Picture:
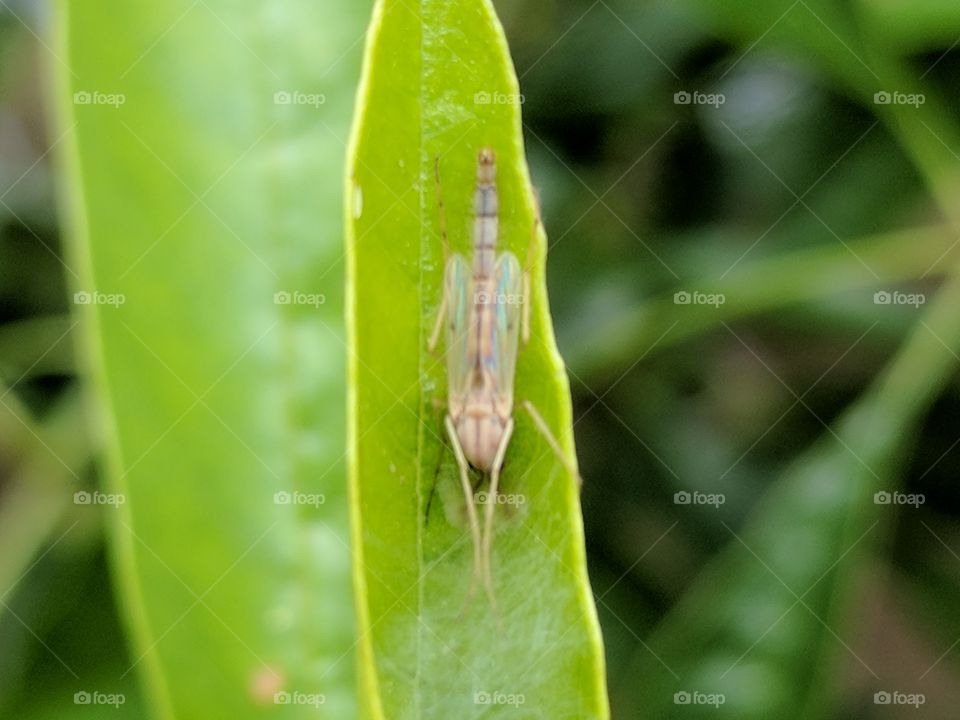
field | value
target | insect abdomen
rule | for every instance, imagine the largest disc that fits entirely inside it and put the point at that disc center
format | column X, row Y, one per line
column 486, row 209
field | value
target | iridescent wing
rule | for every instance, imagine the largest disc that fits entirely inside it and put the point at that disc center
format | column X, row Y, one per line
column 507, row 307
column 457, row 281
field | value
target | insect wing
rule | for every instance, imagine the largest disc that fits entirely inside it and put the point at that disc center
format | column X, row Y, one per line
column 508, row 306
column 457, row 280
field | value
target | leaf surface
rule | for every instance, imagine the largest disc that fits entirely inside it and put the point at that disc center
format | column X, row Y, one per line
column 438, row 86
column 204, row 151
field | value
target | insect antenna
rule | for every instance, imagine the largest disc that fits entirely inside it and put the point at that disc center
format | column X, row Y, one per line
column 441, row 208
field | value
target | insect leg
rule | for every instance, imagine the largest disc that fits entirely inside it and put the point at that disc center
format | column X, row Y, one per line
column 442, row 213
column 490, row 507
column 534, row 231
column 525, row 322
column 548, row 436
column 433, row 487
column 438, row 324
column 471, row 509
column 441, row 208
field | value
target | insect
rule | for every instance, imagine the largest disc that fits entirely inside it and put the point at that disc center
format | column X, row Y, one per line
column 485, row 310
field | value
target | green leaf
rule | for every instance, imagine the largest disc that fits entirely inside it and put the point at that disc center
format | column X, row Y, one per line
column 612, row 345
column 850, row 50
column 197, row 193
column 914, row 27
column 767, row 621
column 430, row 71
column 36, row 495
column 37, row 346
column 35, row 504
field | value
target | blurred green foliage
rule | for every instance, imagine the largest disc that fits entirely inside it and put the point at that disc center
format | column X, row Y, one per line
column 643, row 197
column 214, row 220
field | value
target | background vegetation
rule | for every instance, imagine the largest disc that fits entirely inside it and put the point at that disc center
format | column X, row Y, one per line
column 798, row 398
